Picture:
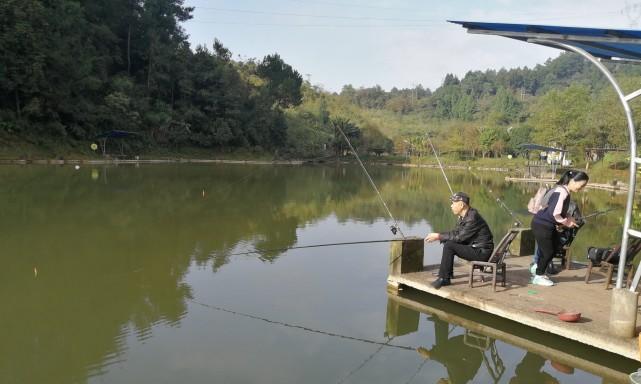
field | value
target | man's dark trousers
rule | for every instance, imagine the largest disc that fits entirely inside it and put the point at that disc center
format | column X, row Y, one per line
column 467, row 252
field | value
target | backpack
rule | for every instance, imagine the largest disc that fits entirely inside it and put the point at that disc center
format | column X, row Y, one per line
column 540, row 200
column 596, row 255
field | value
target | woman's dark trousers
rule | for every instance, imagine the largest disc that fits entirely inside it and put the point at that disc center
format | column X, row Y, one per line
column 547, row 239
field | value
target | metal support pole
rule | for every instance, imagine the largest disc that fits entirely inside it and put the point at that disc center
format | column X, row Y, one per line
column 633, row 155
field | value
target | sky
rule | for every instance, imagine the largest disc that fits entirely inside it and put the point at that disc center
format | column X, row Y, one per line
column 399, row 44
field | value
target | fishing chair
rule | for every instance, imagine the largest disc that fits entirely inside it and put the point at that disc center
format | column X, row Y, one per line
column 566, row 237
column 565, row 259
column 495, row 264
column 611, row 263
column 495, row 366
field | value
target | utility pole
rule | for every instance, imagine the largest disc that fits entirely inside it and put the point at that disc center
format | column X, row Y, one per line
column 413, row 94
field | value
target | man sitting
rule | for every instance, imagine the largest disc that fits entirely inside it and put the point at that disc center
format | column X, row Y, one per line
column 471, row 239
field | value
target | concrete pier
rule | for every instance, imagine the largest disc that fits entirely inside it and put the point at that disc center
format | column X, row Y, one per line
column 403, row 317
column 518, row 300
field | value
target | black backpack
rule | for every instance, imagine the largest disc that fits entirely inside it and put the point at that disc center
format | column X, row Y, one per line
column 596, row 255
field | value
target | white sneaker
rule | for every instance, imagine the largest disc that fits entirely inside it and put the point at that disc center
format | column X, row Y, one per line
column 542, row 280
column 533, row 269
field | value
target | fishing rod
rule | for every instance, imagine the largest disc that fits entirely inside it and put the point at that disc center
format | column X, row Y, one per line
column 560, row 228
column 259, row 251
column 517, row 222
column 439, row 163
column 597, row 213
column 394, row 227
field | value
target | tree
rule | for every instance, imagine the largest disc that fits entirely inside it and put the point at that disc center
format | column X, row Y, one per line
column 349, row 129
column 492, row 140
column 518, row 135
column 505, row 108
column 560, row 116
column 23, row 43
column 283, row 82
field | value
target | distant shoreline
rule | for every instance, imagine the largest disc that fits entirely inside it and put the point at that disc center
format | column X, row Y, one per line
column 619, row 187
column 230, row 161
column 145, row 161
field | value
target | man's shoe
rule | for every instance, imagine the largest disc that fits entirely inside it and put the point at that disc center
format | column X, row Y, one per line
column 440, row 282
column 436, row 272
column 533, row 269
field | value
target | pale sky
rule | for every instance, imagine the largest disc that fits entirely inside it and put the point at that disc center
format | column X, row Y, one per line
column 391, row 43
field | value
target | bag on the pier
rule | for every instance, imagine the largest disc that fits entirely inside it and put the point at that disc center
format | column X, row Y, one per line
column 539, row 201
column 596, row 255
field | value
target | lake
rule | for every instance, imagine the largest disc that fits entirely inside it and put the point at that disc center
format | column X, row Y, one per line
column 126, row 274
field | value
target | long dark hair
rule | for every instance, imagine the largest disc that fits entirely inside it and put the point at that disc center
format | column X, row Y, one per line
column 572, row 175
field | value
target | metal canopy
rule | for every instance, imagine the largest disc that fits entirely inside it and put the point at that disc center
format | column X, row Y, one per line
column 593, row 44
column 116, row 134
column 537, row 147
column 610, row 44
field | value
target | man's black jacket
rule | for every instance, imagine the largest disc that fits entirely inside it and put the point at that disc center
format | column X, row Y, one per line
column 471, row 230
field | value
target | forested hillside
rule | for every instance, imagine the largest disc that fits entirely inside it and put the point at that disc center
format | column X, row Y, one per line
column 565, row 102
column 71, row 70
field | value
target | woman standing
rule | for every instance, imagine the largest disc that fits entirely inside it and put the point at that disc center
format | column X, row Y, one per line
column 544, row 223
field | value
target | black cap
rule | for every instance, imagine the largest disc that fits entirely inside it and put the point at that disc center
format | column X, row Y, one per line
column 460, row 196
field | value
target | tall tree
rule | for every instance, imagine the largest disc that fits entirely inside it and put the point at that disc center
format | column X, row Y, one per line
column 283, row 82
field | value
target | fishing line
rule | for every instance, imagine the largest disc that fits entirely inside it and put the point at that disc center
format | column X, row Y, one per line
column 439, row 164
column 417, row 371
column 395, row 227
column 306, row 329
column 367, row 360
column 259, row 251
column 518, row 223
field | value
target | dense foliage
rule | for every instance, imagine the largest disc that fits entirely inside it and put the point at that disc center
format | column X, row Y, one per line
column 71, row 70
column 565, row 102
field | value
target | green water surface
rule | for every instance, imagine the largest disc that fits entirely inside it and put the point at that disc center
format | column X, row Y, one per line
column 129, row 275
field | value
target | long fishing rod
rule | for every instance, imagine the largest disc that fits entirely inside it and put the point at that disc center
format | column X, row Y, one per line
column 259, row 251
column 518, row 222
column 439, row 164
column 395, row 227
column 598, row 213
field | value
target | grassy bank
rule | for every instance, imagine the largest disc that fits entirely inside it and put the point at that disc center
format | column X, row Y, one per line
column 612, row 168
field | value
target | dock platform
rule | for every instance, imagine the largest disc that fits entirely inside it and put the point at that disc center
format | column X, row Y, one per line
column 518, row 300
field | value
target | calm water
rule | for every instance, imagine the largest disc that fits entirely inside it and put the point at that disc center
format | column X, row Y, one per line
column 128, row 275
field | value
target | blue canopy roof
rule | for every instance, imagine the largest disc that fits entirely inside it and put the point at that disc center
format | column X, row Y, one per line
column 537, row 147
column 117, row 134
column 611, row 44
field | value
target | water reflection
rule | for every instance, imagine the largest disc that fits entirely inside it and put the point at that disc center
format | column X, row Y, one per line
column 464, row 340
column 98, row 262
column 461, row 358
column 529, row 371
